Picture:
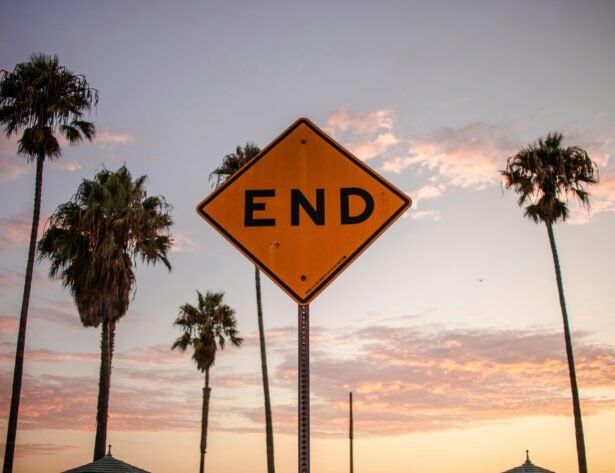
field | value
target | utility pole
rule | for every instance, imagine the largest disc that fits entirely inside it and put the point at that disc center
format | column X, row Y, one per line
column 351, row 436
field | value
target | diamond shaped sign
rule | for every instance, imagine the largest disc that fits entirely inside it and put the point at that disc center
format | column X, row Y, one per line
column 303, row 209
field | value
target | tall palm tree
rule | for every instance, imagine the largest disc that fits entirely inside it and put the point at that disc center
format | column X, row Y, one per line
column 206, row 328
column 41, row 100
column 230, row 164
column 93, row 242
column 544, row 175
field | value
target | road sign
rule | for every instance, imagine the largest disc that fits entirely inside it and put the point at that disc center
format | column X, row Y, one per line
column 303, row 209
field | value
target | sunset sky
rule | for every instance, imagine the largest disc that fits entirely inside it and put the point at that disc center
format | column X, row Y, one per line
column 447, row 329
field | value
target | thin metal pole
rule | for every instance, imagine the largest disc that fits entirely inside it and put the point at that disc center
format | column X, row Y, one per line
column 351, row 436
column 304, row 389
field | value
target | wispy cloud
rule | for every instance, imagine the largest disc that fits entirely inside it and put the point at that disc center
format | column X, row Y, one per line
column 108, row 140
column 66, row 166
column 602, row 197
column 37, row 449
column 15, row 230
column 12, row 168
column 11, row 165
column 467, row 157
column 367, row 135
column 405, row 379
column 8, row 324
column 184, row 243
column 409, row 379
column 427, row 192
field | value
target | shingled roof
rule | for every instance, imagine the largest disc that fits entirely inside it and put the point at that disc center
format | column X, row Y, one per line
column 528, row 467
column 107, row 464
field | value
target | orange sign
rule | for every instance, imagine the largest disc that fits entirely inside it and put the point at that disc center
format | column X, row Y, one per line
column 303, row 209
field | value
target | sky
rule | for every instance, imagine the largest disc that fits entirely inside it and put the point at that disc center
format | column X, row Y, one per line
column 447, row 329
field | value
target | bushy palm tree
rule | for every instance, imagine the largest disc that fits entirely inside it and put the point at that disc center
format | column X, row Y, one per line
column 41, row 100
column 231, row 164
column 206, row 328
column 544, row 175
column 93, row 242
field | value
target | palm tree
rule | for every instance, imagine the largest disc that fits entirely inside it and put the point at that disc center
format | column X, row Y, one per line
column 230, row 164
column 543, row 175
column 41, row 100
column 206, row 328
column 93, row 242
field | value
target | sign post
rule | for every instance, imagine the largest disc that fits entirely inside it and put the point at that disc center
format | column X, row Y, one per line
column 304, row 389
column 302, row 211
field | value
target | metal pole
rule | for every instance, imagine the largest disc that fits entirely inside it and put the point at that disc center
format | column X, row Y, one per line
column 304, row 389
column 351, row 436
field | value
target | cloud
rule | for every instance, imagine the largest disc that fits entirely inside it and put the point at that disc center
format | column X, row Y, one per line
column 66, row 166
column 366, row 135
column 599, row 148
column 467, row 157
column 15, row 230
column 36, row 449
column 107, row 140
column 428, row 191
column 184, row 243
column 404, row 379
column 8, row 324
column 409, row 380
column 12, row 168
column 11, row 165
column 602, row 199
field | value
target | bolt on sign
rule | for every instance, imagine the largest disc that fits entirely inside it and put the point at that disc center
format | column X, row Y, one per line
column 303, row 209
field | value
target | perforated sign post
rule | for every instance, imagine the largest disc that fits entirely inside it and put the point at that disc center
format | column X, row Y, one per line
column 302, row 211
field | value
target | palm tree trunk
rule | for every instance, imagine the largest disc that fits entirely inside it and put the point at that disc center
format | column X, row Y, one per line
column 576, row 405
column 204, row 420
column 261, row 336
column 104, row 387
column 11, row 433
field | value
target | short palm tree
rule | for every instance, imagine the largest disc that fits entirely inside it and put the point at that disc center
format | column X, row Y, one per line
column 206, row 328
column 230, row 164
column 544, row 175
column 41, row 100
column 93, row 242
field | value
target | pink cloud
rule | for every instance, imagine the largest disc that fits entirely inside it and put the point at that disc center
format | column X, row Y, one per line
column 15, row 231
column 106, row 139
column 427, row 192
column 366, row 135
column 66, row 166
column 599, row 148
column 405, row 379
column 602, row 199
column 468, row 157
column 12, row 166
column 184, row 243
column 409, row 380
column 8, row 324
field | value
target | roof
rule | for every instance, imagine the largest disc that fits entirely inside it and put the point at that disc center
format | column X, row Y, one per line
column 528, row 467
column 107, row 464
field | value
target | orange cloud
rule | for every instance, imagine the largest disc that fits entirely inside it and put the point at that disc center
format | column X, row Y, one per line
column 405, row 379
column 409, row 380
